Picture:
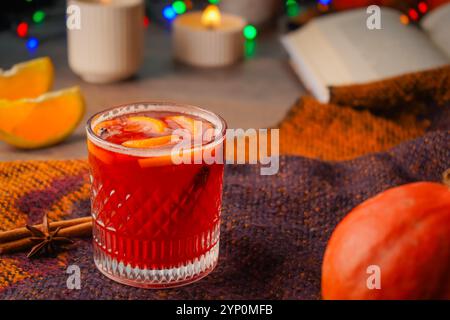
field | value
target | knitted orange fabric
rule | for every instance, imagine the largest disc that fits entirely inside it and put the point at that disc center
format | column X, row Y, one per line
column 30, row 188
column 366, row 118
column 406, row 91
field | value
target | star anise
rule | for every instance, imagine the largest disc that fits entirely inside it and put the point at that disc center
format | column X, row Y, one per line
column 46, row 242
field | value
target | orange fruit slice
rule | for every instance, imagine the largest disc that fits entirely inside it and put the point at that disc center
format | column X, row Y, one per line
column 43, row 121
column 139, row 123
column 104, row 125
column 150, row 142
column 26, row 80
column 196, row 127
column 184, row 122
column 155, row 161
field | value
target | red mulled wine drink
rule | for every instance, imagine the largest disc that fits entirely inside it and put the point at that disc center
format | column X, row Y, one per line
column 156, row 220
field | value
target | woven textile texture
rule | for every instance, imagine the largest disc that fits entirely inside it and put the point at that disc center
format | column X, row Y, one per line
column 273, row 234
column 369, row 117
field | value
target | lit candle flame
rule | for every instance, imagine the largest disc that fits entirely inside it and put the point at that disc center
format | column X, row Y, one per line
column 211, row 16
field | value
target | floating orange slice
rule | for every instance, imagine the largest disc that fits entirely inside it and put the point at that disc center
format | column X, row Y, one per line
column 104, row 125
column 26, row 80
column 150, row 142
column 43, row 121
column 195, row 127
column 184, row 122
column 146, row 123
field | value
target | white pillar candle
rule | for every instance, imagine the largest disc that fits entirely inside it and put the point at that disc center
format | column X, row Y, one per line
column 109, row 44
column 208, row 38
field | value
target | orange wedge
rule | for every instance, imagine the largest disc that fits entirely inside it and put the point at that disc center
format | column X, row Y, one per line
column 26, row 80
column 43, row 121
column 150, row 142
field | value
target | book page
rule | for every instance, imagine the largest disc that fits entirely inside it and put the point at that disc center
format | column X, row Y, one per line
column 437, row 26
column 311, row 65
column 339, row 49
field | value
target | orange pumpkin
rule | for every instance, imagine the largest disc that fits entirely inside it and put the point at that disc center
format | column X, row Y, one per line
column 401, row 236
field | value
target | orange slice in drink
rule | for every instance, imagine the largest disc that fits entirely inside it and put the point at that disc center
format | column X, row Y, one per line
column 150, row 142
column 105, row 125
column 43, row 121
column 196, row 127
column 155, row 161
column 26, row 80
column 184, row 122
column 143, row 123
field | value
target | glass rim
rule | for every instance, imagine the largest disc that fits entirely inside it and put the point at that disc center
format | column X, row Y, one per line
column 163, row 106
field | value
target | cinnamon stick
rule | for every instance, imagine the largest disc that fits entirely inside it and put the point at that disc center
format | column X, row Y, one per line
column 15, row 246
column 20, row 233
column 77, row 231
column 80, row 230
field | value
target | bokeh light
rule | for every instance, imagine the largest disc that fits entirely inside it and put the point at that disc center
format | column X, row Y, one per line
column 250, row 32
column 146, row 21
column 22, row 29
column 179, row 7
column 423, row 7
column 249, row 48
column 413, row 14
column 32, row 43
column 404, row 19
column 38, row 16
column 169, row 13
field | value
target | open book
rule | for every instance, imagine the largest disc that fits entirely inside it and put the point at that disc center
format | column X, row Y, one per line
column 339, row 49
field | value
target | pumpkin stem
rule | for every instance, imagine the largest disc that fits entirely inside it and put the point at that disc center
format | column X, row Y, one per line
column 446, row 177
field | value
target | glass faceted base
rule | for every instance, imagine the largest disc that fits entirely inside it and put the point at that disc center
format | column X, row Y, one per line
column 156, row 278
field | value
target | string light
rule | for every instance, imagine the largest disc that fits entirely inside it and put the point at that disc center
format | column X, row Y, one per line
column 214, row 1
column 146, row 21
column 188, row 4
column 322, row 7
column 249, row 48
column 32, row 43
column 292, row 8
column 22, row 29
column 250, row 32
column 38, row 16
column 169, row 13
column 179, row 7
column 413, row 14
column 404, row 19
column 423, row 7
